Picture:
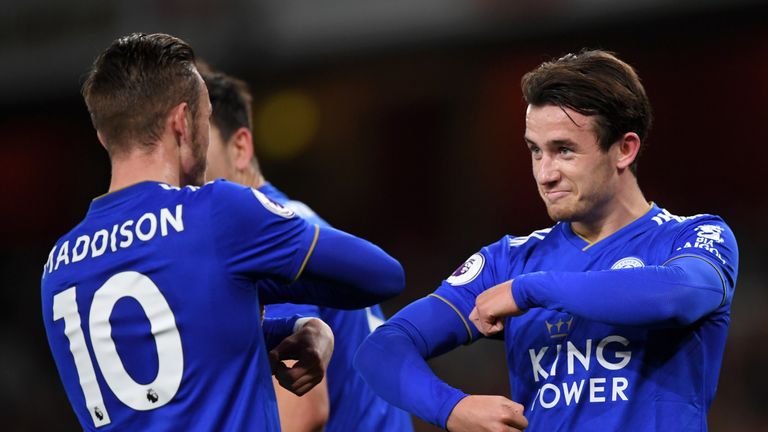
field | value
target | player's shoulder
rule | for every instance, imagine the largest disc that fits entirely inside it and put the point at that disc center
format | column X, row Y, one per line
column 153, row 194
column 229, row 194
column 273, row 192
column 220, row 189
column 512, row 245
column 531, row 240
column 704, row 222
column 299, row 208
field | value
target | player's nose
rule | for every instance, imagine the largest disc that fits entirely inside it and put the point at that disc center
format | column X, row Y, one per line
column 546, row 171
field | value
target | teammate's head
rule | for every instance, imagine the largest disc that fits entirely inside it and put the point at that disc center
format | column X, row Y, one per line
column 597, row 84
column 136, row 85
column 587, row 117
column 231, row 152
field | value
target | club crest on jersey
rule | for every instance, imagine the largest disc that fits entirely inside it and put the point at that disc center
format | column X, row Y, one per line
column 628, row 262
column 468, row 271
column 559, row 328
column 273, row 206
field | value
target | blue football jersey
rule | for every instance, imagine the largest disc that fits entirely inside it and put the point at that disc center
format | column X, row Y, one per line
column 354, row 406
column 151, row 309
column 576, row 374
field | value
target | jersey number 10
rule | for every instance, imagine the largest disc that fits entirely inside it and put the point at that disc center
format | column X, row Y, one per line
column 142, row 397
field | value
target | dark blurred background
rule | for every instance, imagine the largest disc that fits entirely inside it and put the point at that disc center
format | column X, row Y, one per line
column 402, row 122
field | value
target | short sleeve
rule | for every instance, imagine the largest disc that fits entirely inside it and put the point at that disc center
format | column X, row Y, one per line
column 710, row 239
column 257, row 237
column 483, row 270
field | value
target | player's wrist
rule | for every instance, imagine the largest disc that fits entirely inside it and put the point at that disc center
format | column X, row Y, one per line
column 519, row 293
column 449, row 407
column 300, row 323
column 320, row 336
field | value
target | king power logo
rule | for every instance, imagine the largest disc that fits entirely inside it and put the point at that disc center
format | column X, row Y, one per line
column 561, row 364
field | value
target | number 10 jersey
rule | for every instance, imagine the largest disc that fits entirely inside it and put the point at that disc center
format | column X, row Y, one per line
column 151, row 308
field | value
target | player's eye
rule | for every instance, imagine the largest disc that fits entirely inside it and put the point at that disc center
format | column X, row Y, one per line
column 565, row 151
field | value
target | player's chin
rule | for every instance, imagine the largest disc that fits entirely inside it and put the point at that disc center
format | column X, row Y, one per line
column 560, row 213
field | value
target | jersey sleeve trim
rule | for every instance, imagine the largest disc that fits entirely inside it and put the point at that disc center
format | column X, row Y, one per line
column 455, row 309
column 719, row 273
column 309, row 253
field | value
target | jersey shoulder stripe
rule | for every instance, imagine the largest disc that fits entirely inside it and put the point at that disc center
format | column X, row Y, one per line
column 663, row 216
column 538, row 235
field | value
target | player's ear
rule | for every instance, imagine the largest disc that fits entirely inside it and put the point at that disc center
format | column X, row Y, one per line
column 179, row 121
column 241, row 144
column 627, row 149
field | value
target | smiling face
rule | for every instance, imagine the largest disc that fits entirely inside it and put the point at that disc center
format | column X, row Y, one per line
column 576, row 179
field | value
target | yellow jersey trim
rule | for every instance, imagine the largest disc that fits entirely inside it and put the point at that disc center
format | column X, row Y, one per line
column 455, row 309
column 309, row 253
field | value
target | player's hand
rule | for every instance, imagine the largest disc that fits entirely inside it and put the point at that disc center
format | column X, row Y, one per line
column 486, row 413
column 311, row 347
column 492, row 306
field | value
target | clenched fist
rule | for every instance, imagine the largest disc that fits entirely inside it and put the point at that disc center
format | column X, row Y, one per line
column 492, row 306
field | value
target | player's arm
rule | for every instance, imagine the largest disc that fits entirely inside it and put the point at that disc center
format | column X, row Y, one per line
column 392, row 360
column 309, row 412
column 341, row 271
column 278, row 328
column 263, row 240
column 678, row 293
column 300, row 360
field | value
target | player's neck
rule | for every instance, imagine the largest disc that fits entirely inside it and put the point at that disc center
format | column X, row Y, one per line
column 258, row 180
column 621, row 211
column 250, row 177
column 139, row 166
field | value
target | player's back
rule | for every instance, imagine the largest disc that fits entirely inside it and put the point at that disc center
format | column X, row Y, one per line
column 152, row 315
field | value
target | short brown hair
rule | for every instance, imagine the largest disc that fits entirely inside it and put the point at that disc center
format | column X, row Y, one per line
column 231, row 101
column 133, row 85
column 594, row 83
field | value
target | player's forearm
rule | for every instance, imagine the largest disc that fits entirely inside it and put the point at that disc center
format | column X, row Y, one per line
column 277, row 329
column 395, row 368
column 674, row 295
column 343, row 272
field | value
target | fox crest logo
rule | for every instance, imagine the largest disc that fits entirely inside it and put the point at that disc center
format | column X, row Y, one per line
column 628, row 262
column 710, row 232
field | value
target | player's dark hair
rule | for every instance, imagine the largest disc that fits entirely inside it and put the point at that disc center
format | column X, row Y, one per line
column 231, row 101
column 133, row 85
column 594, row 83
